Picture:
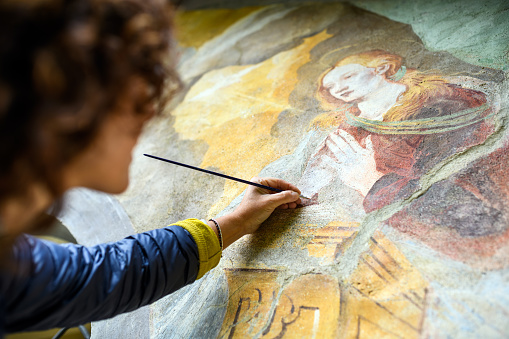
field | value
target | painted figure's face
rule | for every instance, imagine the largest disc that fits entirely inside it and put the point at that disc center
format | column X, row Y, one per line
column 352, row 82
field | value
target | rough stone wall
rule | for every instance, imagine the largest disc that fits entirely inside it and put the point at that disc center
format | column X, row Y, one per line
column 407, row 231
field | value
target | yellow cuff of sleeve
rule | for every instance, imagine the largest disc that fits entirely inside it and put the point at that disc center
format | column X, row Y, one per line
column 209, row 249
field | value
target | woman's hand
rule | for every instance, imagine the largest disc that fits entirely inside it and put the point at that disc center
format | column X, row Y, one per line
column 256, row 206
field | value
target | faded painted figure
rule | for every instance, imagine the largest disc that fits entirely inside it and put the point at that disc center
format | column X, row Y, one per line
column 394, row 125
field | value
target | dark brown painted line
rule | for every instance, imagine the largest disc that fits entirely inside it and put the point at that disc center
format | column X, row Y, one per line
column 387, row 253
column 382, row 265
column 385, row 309
column 407, row 297
column 373, row 323
column 374, row 270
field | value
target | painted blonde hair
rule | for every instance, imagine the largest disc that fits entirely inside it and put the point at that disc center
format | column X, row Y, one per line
column 420, row 85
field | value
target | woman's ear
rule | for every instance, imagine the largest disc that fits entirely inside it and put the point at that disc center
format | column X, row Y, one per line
column 382, row 69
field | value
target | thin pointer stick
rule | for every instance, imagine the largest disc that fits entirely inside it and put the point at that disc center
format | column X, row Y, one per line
column 218, row 174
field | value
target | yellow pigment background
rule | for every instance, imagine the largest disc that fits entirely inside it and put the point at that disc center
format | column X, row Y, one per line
column 234, row 108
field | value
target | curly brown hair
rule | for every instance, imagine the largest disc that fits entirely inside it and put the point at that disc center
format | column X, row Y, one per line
column 63, row 66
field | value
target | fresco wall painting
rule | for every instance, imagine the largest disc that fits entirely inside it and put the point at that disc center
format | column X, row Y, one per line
column 403, row 151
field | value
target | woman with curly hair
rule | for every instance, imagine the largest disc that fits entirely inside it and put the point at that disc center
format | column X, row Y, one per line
column 78, row 80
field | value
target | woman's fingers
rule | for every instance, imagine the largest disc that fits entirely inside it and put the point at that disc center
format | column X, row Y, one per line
column 291, row 205
column 289, row 198
column 283, row 198
column 276, row 183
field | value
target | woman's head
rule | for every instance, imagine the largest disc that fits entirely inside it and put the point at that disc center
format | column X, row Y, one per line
column 68, row 67
column 356, row 76
column 391, row 63
column 352, row 83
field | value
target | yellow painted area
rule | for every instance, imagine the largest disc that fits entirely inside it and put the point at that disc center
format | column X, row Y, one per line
column 194, row 28
column 233, row 109
column 387, row 295
column 327, row 120
column 331, row 240
column 308, row 307
column 251, row 294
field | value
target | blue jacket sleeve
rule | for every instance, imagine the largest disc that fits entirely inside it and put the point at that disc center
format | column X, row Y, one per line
column 48, row 285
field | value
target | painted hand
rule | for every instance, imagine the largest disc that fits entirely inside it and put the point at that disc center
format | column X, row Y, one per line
column 354, row 164
column 317, row 175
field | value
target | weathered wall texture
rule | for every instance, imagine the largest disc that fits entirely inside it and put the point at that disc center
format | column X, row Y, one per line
column 407, row 231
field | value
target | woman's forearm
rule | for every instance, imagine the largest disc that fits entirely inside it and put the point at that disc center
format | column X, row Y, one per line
column 231, row 229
